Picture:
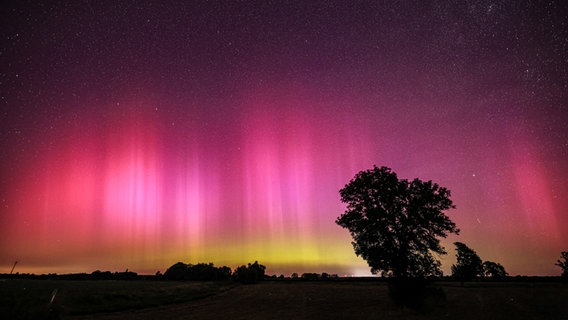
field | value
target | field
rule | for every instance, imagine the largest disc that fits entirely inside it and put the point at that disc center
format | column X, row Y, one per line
column 30, row 299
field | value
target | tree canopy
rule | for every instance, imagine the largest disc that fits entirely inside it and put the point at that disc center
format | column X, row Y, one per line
column 395, row 223
column 200, row 271
column 563, row 263
column 469, row 265
column 494, row 270
column 250, row 273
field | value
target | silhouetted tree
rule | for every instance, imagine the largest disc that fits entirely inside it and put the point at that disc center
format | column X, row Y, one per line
column 310, row 276
column 563, row 263
column 294, row 275
column 200, row 271
column 178, row 271
column 468, row 265
column 395, row 223
column 101, row 275
column 250, row 274
column 224, row 273
column 494, row 270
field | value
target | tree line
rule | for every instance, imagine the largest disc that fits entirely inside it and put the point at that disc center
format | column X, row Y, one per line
column 251, row 273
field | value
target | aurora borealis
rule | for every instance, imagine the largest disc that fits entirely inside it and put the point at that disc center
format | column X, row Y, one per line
column 138, row 134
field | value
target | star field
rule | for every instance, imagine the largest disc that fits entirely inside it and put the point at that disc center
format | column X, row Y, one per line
column 138, row 134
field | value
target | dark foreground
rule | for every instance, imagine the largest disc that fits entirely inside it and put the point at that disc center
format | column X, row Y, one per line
column 288, row 300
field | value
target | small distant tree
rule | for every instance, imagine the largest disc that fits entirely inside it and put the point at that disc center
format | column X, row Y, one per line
column 468, row 265
column 294, row 275
column 224, row 273
column 259, row 269
column 101, row 275
column 178, row 271
column 310, row 276
column 563, row 264
column 251, row 273
column 494, row 270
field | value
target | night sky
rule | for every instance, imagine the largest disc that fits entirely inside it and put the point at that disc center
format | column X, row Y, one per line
column 142, row 133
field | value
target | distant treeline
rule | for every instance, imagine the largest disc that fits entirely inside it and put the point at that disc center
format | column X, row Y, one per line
column 246, row 274
column 251, row 273
column 95, row 275
column 314, row 276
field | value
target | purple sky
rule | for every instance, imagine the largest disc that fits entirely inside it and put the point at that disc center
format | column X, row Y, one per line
column 145, row 133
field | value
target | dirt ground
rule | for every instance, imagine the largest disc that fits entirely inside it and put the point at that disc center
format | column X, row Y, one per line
column 347, row 300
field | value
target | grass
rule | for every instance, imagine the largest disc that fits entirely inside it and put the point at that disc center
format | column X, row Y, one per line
column 509, row 300
column 143, row 299
column 31, row 299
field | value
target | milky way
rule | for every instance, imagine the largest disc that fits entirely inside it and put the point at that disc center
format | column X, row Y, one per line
column 140, row 134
